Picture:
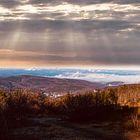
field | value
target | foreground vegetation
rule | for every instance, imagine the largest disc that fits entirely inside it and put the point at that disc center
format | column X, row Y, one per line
column 104, row 105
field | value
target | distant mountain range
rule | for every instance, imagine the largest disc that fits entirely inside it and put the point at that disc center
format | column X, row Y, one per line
column 92, row 75
column 50, row 85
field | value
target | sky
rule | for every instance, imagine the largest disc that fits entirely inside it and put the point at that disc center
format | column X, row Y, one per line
column 75, row 33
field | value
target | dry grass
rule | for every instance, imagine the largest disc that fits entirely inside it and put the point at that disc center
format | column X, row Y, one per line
column 104, row 105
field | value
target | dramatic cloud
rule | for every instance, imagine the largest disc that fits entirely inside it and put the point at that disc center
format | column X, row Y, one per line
column 69, row 32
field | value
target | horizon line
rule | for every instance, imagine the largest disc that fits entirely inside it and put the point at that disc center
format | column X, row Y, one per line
column 77, row 67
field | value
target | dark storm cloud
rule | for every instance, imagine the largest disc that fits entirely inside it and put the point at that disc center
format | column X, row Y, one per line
column 61, row 25
column 84, row 1
column 9, row 3
column 14, row 3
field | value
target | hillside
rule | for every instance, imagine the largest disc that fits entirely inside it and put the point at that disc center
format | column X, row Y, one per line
column 51, row 85
column 45, row 84
column 127, row 94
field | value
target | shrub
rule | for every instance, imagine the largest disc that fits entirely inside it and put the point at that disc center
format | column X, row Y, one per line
column 17, row 104
column 88, row 106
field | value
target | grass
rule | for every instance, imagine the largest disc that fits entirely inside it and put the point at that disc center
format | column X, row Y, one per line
column 104, row 105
